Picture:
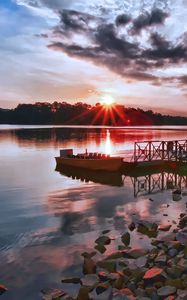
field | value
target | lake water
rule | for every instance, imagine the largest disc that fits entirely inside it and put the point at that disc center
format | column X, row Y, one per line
column 47, row 218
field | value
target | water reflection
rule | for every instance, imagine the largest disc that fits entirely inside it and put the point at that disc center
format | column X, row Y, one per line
column 145, row 181
column 87, row 209
column 151, row 184
column 97, row 206
column 103, row 177
column 108, row 143
column 95, row 139
column 47, row 218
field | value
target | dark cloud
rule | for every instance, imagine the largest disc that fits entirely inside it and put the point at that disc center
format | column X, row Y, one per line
column 142, row 76
column 158, row 41
column 117, row 55
column 164, row 50
column 73, row 20
column 156, row 17
column 33, row 3
column 122, row 20
column 106, row 37
column 77, row 51
column 107, row 48
column 117, row 64
column 52, row 4
column 182, row 80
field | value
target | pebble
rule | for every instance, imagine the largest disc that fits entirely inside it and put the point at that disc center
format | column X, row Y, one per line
column 172, row 252
column 166, row 291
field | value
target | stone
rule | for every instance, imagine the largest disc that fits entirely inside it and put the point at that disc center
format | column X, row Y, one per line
column 183, row 222
column 174, row 244
column 175, row 282
column 161, row 259
column 182, row 215
column 103, row 276
column 74, row 280
column 152, row 273
column 174, row 272
column 141, row 261
column 182, row 294
column 50, row 294
column 109, row 265
column 132, row 226
column 166, row 291
column 83, row 294
column 3, row 289
column 115, row 255
column 90, row 280
column 147, row 228
column 89, row 266
column 125, row 292
column 140, row 292
column 101, row 288
column 100, row 248
column 182, row 237
column 125, row 238
column 105, row 231
column 136, row 252
column 172, row 252
column 131, row 285
column 164, row 227
column 104, row 240
column 88, row 255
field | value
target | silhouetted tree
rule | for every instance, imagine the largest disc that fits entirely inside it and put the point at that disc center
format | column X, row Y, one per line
column 63, row 113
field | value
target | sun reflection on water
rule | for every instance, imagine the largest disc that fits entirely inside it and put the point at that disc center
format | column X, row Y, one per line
column 108, row 144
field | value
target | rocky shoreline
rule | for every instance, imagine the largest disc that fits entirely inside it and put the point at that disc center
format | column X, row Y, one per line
column 133, row 273
column 158, row 273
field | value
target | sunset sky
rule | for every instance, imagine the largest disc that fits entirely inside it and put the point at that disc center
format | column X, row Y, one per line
column 134, row 51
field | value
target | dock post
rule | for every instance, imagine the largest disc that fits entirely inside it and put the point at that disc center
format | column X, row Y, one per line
column 135, row 152
column 163, row 154
column 150, row 151
column 176, row 151
column 176, row 183
column 149, row 184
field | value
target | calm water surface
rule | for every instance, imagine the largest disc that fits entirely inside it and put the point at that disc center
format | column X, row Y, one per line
column 47, row 218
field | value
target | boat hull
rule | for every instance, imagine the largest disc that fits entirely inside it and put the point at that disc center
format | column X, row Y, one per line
column 107, row 164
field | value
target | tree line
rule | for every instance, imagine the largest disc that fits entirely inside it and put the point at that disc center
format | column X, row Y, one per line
column 63, row 113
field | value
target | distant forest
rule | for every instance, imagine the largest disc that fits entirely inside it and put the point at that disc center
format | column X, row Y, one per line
column 62, row 113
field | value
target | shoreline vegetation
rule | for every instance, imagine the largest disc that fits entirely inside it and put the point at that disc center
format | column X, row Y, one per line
column 63, row 113
column 155, row 272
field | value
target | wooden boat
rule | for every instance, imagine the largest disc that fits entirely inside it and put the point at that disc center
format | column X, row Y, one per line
column 91, row 161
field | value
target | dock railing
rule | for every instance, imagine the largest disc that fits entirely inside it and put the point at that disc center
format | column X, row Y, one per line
column 160, row 150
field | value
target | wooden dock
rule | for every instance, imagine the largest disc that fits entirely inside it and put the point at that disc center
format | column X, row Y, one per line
column 157, row 154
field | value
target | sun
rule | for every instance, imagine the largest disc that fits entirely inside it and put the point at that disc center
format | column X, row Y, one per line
column 107, row 100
